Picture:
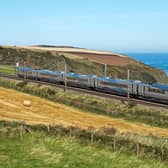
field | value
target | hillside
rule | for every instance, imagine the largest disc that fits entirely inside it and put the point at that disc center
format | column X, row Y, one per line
column 81, row 61
column 45, row 120
column 157, row 117
column 102, row 57
column 12, row 109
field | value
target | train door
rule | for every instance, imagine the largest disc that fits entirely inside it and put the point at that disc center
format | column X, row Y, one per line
column 36, row 75
column 93, row 82
column 90, row 82
column 144, row 90
column 137, row 90
column 63, row 77
column 140, row 90
column 132, row 89
column 94, row 85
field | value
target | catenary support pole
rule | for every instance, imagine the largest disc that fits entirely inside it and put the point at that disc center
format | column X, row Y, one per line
column 105, row 70
column 65, row 78
column 128, row 91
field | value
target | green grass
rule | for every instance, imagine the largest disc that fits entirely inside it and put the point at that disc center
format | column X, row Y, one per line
column 8, row 69
column 46, row 151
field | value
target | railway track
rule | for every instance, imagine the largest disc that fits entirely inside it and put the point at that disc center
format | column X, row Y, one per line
column 92, row 92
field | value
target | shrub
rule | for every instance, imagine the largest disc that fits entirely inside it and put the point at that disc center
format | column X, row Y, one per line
column 21, row 84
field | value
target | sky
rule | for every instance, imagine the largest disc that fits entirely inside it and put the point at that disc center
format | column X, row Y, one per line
column 114, row 25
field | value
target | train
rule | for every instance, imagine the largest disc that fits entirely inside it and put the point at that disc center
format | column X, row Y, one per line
column 155, row 92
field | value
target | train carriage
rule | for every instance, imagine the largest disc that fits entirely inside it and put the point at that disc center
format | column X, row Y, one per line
column 150, row 92
column 43, row 75
column 117, row 86
column 25, row 72
column 109, row 85
column 154, row 92
column 79, row 80
column 50, row 76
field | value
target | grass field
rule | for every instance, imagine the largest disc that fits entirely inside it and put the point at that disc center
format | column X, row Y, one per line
column 8, row 69
column 12, row 108
column 44, row 151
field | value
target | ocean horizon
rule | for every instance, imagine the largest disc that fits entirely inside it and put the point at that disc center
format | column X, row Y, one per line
column 157, row 60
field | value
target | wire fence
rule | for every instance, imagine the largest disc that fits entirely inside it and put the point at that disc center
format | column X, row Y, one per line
column 150, row 147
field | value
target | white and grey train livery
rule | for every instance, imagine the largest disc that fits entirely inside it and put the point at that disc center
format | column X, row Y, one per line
column 152, row 92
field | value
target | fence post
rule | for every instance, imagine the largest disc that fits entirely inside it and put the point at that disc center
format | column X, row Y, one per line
column 162, row 154
column 92, row 139
column 91, row 134
column 70, row 131
column 48, row 128
column 162, row 149
column 114, row 143
column 137, row 146
column 21, row 131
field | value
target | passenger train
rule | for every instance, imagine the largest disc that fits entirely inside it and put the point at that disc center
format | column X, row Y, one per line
column 152, row 92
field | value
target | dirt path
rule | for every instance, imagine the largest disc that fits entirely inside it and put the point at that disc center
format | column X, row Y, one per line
column 46, row 112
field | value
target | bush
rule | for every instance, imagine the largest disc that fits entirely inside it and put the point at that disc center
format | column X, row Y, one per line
column 21, row 84
column 51, row 92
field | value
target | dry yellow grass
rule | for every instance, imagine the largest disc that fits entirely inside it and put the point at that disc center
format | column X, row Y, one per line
column 46, row 112
column 66, row 49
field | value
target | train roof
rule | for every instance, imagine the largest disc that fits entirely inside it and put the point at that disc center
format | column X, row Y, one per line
column 123, row 81
column 160, row 86
column 25, row 69
column 71, row 74
column 49, row 72
column 157, row 86
column 45, row 71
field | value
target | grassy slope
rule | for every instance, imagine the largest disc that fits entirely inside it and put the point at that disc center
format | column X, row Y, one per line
column 44, row 151
column 8, row 69
column 13, row 109
column 46, row 59
column 154, row 117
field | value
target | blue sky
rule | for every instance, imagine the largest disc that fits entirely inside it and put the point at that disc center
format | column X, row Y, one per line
column 117, row 25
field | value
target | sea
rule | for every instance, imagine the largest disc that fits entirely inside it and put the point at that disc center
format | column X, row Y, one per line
column 157, row 60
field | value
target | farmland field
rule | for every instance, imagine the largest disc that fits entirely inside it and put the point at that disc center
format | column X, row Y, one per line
column 109, row 58
column 52, row 144
column 46, row 112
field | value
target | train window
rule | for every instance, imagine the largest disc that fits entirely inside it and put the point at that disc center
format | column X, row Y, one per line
column 24, row 72
column 114, row 84
column 74, row 79
column 48, row 75
column 156, row 90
